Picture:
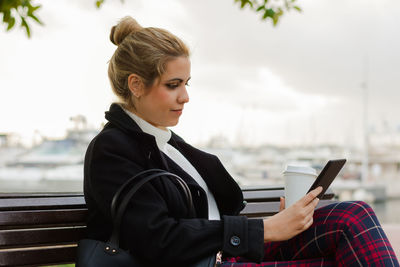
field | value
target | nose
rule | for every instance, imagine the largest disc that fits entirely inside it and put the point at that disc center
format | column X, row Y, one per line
column 183, row 96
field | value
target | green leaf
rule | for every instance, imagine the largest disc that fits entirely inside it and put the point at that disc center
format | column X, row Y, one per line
column 99, row 3
column 11, row 23
column 26, row 26
column 275, row 19
column 269, row 13
column 243, row 3
column 36, row 19
column 297, row 8
column 246, row 2
column 276, row 16
column 30, row 10
column 6, row 16
column 36, row 8
column 260, row 8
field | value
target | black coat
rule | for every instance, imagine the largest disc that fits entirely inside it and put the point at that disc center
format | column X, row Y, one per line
column 157, row 227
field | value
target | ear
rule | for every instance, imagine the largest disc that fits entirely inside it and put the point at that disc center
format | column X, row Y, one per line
column 135, row 85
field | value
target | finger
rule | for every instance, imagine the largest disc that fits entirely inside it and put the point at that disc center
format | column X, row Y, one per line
column 315, row 202
column 312, row 195
column 311, row 206
column 309, row 223
column 282, row 204
column 316, row 191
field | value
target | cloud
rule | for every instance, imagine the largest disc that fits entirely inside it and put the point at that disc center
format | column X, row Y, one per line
column 321, row 50
column 254, row 87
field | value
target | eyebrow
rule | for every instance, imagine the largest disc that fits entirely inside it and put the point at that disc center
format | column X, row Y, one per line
column 177, row 79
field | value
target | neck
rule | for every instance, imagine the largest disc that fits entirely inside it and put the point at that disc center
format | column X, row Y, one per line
column 134, row 111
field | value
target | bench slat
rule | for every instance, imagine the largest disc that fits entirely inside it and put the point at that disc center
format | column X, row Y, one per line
column 42, row 217
column 38, row 256
column 256, row 209
column 40, row 194
column 267, row 195
column 37, row 237
column 38, row 203
column 264, row 209
column 262, row 188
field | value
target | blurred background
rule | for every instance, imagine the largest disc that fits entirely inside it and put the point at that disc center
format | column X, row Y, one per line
column 321, row 84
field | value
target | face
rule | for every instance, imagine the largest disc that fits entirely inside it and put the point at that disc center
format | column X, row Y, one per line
column 162, row 104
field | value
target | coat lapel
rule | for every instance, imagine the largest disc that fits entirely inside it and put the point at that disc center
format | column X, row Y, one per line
column 225, row 190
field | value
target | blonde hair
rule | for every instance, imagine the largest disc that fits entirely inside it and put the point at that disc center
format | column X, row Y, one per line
column 142, row 51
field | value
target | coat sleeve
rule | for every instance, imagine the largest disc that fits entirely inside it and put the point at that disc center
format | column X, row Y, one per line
column 149, row 230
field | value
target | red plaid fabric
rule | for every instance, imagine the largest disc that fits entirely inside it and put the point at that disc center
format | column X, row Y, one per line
column 298, row 263
column 343, row 234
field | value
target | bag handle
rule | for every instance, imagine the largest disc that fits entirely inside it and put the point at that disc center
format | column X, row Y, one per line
column 117, row 195
column 118, row 212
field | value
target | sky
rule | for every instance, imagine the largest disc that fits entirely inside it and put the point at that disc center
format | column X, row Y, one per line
column 302, row 82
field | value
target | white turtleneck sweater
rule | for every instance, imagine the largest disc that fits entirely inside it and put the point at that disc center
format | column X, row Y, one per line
column 162, row 138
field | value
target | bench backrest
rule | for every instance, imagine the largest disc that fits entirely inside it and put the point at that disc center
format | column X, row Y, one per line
column 39, row 229
column 43, row 229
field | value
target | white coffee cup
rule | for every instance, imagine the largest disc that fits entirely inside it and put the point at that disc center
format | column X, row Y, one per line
column 298, row 180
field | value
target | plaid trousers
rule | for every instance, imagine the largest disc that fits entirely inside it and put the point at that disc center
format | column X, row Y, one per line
column 342, row 234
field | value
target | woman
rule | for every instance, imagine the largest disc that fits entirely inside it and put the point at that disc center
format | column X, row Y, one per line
column 149, row 72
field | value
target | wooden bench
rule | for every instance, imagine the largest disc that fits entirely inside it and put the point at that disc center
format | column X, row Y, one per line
column 43, row 229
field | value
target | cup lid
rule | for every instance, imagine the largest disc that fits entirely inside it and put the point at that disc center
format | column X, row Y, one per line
column 300, row 169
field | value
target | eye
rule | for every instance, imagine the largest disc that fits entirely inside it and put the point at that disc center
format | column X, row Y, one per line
column 187, row 83
column 172, row 85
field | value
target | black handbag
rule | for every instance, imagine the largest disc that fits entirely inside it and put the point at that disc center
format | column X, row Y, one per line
column 95, row 253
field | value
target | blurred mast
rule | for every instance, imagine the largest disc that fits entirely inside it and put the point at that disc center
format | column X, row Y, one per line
column 365, row 158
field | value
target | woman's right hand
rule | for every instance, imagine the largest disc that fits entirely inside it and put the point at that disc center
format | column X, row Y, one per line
column 292, row 220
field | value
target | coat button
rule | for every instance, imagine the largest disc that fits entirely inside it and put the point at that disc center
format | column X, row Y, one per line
column 235, row 241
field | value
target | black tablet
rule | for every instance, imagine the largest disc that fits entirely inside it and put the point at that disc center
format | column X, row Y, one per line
column 327, row 175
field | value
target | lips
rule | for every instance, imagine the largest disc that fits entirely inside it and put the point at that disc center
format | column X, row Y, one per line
column 177, row 111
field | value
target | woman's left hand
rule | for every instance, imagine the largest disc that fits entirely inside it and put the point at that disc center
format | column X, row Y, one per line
column 282, row 204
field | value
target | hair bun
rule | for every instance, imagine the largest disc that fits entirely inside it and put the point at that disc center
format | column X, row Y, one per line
column 126, row 26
